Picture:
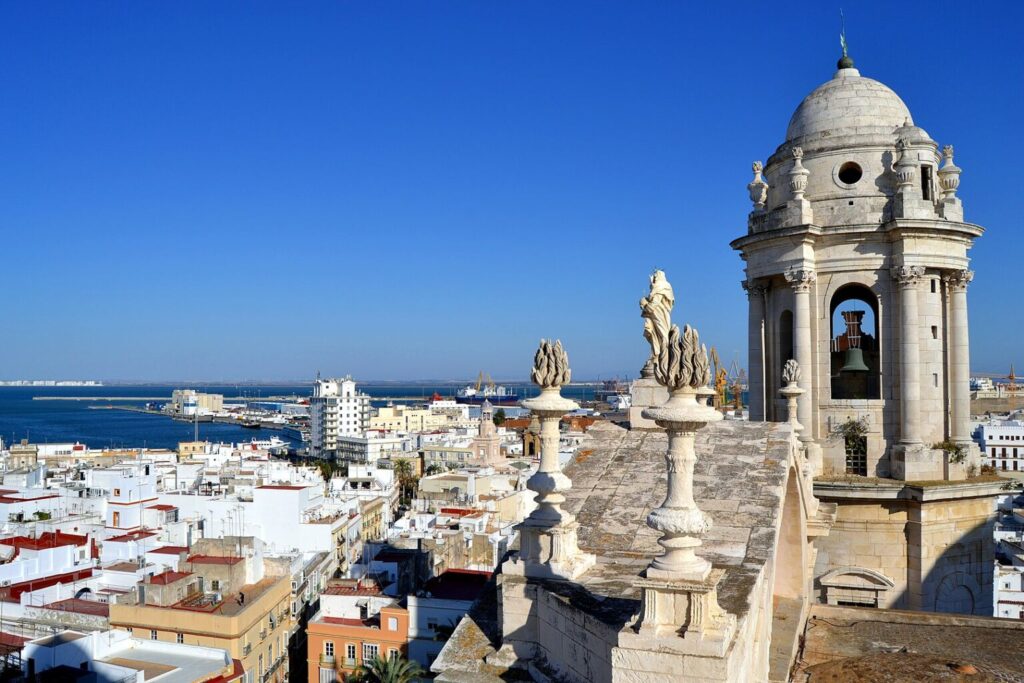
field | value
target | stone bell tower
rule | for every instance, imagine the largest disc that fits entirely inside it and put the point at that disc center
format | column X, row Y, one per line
column 856, row 217
column 857, row 268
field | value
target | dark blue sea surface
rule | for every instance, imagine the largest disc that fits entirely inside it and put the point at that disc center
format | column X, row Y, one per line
column 24, row 412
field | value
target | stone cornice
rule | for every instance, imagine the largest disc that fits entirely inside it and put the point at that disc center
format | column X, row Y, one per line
column 811, row 232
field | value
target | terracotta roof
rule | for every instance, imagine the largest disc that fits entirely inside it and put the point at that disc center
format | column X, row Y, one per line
column 9, row 500
column 457, row 584
column 170, row 549
column 213, row 559
column 162, row 506
column 122, row 567
column 14, row 591
column 47, row 539
column 359, row 589
column 131, row 536
column 284, row 487
column 78, row 606
column 168, row 576
column 343, row 621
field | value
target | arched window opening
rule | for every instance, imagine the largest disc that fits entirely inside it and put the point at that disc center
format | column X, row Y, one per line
column 785, row 338
column 855, row 357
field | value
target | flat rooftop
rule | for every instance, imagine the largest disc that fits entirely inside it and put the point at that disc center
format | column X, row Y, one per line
column 860, row 644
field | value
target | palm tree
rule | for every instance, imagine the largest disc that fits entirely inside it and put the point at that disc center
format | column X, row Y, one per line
column 406, row 477
column 387, row 670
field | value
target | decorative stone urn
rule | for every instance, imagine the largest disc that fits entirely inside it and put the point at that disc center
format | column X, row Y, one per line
column 548, row 537
column 758, row 188
column 791, row 392
column 682, row 368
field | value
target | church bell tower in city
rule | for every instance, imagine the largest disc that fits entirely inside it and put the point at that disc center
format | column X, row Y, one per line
column 857, row 268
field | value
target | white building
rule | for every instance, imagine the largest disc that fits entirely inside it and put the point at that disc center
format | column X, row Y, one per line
column 115, row 655
column 1002, row 444
column 336, row 409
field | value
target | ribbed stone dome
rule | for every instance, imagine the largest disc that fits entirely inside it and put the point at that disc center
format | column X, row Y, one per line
column 846, row 103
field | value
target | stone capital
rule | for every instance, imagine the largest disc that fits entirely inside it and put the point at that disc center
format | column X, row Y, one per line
column 801, row 279
column 957, row 280
column 753, row 289
column 907, row 276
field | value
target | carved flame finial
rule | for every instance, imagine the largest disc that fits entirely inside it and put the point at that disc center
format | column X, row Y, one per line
column 550, row 365
column 791, row 372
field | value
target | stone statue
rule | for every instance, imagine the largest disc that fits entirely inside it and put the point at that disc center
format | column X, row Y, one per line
column 656, row 310
column 791, row 372
column 683, row 361
column 550, row 365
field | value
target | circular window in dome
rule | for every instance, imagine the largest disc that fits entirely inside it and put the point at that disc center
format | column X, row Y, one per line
column 849, row 173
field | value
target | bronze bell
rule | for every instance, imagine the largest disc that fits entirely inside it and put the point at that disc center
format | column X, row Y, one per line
column 854, row 361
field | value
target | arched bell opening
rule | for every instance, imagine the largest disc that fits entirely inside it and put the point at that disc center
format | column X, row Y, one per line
column 855, row 356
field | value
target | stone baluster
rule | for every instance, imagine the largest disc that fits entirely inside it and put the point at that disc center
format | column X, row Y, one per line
column 960, row 362
column 908, row 278
column 548, row 537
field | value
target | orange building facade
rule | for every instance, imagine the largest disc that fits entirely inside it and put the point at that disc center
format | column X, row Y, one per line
column 336, row 645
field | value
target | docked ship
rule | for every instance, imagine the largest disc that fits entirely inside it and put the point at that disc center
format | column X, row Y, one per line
column 487, row 391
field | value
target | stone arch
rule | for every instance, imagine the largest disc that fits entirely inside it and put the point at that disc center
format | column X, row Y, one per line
column 854, row 330
column 790, row 576
column 958, row 593
column 856, row 586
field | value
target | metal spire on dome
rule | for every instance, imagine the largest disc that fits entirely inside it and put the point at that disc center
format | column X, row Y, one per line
column 844, row 62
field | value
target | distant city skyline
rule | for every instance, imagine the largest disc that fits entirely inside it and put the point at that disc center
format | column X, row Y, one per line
column 250, row 192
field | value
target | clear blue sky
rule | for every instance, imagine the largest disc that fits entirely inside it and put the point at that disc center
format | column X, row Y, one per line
column 239, row 190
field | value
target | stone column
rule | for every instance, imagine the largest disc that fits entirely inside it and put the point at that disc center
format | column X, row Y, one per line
column 802, row 280
column 908, row 279
column 755, row 346
column 960, row 361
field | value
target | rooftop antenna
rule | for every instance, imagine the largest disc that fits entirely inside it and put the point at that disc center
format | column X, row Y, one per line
column 844, row 62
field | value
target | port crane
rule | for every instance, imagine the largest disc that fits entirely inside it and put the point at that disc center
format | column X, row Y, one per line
column 738, row 380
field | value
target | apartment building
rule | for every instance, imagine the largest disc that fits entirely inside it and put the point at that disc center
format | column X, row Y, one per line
column 356, row 623
column 223, row 595
column 336, row 409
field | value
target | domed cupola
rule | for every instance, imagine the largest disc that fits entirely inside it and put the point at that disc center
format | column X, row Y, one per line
column 847, row 105
column 838, row 163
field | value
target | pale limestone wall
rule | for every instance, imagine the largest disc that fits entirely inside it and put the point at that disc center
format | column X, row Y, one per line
column 869, row 535
column 938, row 553
column 951, row 541
column 568, row 644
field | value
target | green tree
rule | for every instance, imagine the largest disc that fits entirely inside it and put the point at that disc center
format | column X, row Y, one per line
column 406, row 477
column 387, row 670
column 499, row 417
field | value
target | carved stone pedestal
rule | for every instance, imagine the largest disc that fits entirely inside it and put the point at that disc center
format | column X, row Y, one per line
column 687, row 609
column 549, row 552
column 644, row 393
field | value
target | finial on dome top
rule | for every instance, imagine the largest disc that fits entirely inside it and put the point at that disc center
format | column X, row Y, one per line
column 844, row 62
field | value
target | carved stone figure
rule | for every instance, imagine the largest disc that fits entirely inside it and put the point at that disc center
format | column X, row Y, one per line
column 656, row 310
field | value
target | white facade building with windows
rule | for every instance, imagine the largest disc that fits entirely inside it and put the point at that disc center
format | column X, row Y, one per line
column 1002, row 444
column 336, row 409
